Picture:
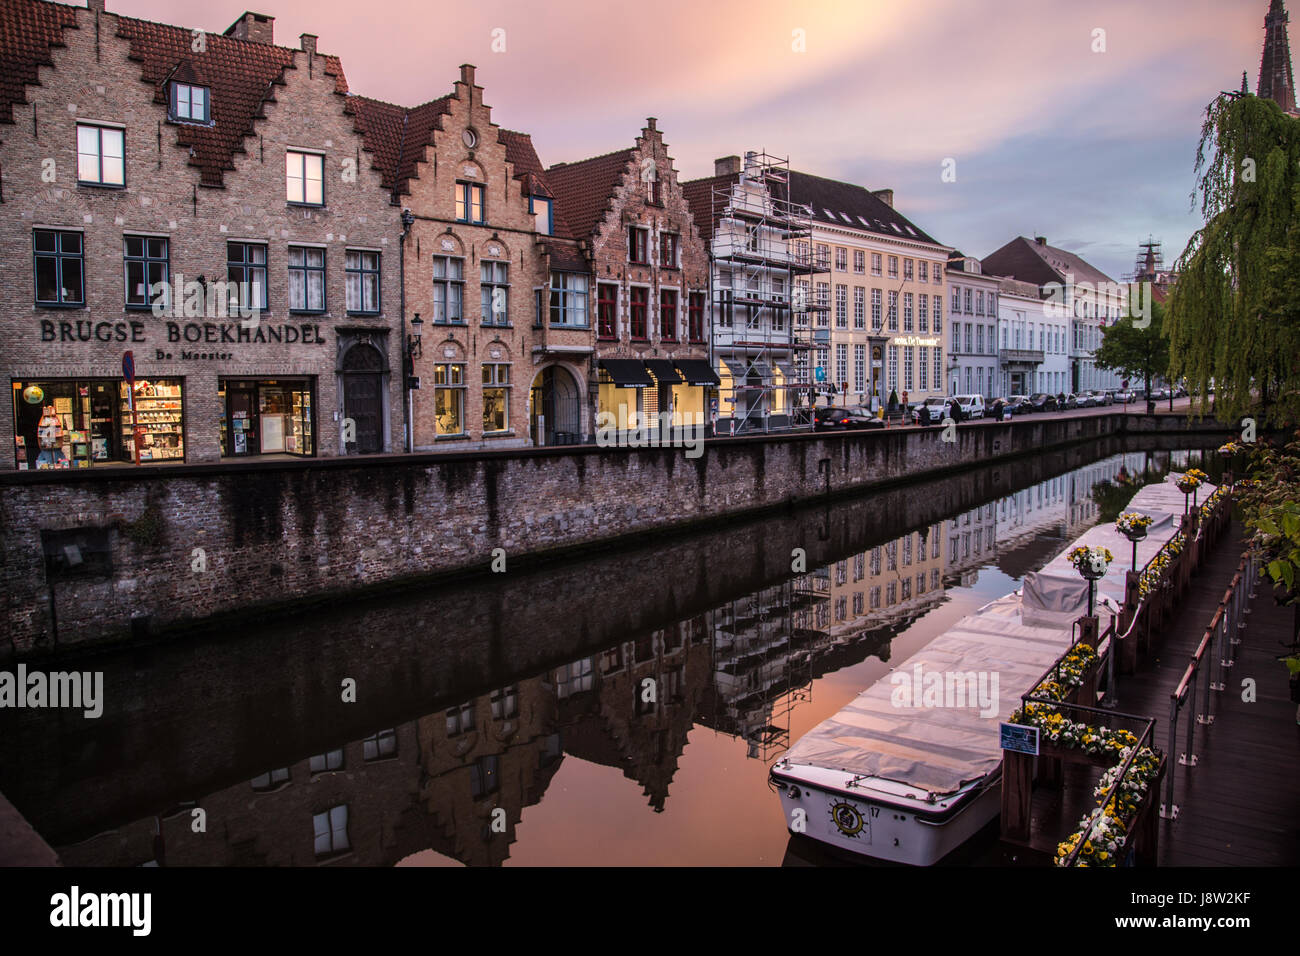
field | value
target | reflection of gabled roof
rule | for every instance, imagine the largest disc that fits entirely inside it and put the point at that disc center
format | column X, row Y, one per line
column 28, row 29
column 834, row 202
column 585, row 189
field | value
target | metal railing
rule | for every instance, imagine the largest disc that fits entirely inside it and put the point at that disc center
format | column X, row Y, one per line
column 1220, row 643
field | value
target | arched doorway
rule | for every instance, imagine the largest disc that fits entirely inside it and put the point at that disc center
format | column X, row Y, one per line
column 363, row 398
column 555, row 408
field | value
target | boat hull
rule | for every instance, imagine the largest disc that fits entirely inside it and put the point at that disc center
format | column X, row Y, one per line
column 892, row 827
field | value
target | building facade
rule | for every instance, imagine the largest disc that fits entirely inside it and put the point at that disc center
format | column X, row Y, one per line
column 205, row 203
column 1074, row 293
column 882, row 329
column 485, row 336
column 973, row 319
column 647, row 275
column 1032, row 346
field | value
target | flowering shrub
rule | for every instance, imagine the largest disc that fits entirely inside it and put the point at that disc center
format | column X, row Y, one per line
column 1212, row 502
column 1190, row 481
column 1091, row 561
column 1231, row 448
column 1132, row 523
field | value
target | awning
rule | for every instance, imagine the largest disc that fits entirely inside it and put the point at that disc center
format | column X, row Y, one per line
column 663, row 371
column 697, row 372
column 627, row 373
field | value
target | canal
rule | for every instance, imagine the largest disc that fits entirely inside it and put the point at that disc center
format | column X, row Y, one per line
column 622, row 709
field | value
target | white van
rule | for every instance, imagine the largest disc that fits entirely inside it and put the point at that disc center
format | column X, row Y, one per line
column 972, row 406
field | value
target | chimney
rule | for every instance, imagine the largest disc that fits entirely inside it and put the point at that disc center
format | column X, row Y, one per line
column 726, row 166
column 1041, row 240
column 308, row 41
column 254, row 27
column 95, row 6
column 467, row 74
column 651, row 123
column 885, row 195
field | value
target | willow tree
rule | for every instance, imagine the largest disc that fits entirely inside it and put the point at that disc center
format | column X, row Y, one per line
column 1234, row 313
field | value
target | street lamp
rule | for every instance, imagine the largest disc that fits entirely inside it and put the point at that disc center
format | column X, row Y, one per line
column 413, row 347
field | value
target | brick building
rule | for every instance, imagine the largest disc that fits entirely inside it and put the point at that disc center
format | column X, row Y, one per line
column 207, row 202
column 648, row 274
column 493, row 322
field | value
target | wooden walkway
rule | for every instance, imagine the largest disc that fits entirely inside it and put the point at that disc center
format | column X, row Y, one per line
column 1240, row 804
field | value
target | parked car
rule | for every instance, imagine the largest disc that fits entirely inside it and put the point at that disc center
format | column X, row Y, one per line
column 1100, row 397
column 1019, row 404
column 972, row 406
column 1042, row 402
column 932, row 411
column 831, row 418
column 1071, row 401
column 1125, row 395
column 1158, row 394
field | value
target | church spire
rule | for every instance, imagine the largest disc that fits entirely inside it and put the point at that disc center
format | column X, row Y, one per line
column 1275, row 78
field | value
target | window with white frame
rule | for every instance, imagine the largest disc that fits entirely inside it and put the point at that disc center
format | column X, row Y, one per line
column 875, row 309
column 101, row 155
column 923, row 313
column 859, row 261
column 362, row 287
column 494, row 290
column 189, row 103
column 304, row 178
column 306, row 279
column 875, row 263
column 569, row 300
column 449, row 398
column 859, row 307
column 448, row 290
column 859, row 371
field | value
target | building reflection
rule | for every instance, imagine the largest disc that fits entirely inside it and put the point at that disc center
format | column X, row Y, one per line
column 457, row 780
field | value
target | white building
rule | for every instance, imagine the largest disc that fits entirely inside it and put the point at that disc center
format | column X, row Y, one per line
column 1075, row 293
column 1033, row 345
column 973, row 321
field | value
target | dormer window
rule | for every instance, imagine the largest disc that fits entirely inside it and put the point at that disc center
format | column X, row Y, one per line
column 189, row 103
column 540, row 207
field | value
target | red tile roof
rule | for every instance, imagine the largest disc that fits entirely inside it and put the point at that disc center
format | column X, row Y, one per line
column 699, row 196
column 585, row 190
column 398, row 136
column 28, row 29
column 522, row 156
column 1030, row 261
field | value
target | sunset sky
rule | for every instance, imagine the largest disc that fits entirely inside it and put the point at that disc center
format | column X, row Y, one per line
column 1092, row 150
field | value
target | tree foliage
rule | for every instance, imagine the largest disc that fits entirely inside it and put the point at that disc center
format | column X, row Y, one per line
column 1138, row 353
column 1233, row 313
column 1270, row 504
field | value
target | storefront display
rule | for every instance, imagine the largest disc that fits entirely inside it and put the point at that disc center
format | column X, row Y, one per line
column 158, row 415
column 266, row 417
column 75, row 423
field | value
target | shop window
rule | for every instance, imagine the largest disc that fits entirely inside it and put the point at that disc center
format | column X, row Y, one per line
column 101, row 155
column 158, row 409
column 306, row 279
column 469, row 202
column 362, row 270
column 494, row 285
column 69, row 424
column 266, row 416
column 496, row 398
column 448, row 290
column 60, row 267
column 304, row 178
column 449, row 398
column 147, row 265
column 246, row 277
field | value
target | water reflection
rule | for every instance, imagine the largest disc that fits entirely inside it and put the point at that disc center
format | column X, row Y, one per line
column 578, row 760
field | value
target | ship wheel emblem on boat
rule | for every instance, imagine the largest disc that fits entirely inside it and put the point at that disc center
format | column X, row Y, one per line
column 847, row 818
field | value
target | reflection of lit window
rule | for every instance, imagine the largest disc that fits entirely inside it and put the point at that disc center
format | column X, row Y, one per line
column 380, row 745
column 327, row 761
column 331, row 830
column 875, row 598
column 575, row 677
column 272, row 780
column 505, row 703
column 460, row 719
column 611, row 660
column 891, row 594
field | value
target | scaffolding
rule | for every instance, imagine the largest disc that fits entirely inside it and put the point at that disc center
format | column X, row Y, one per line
column 763, row 265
